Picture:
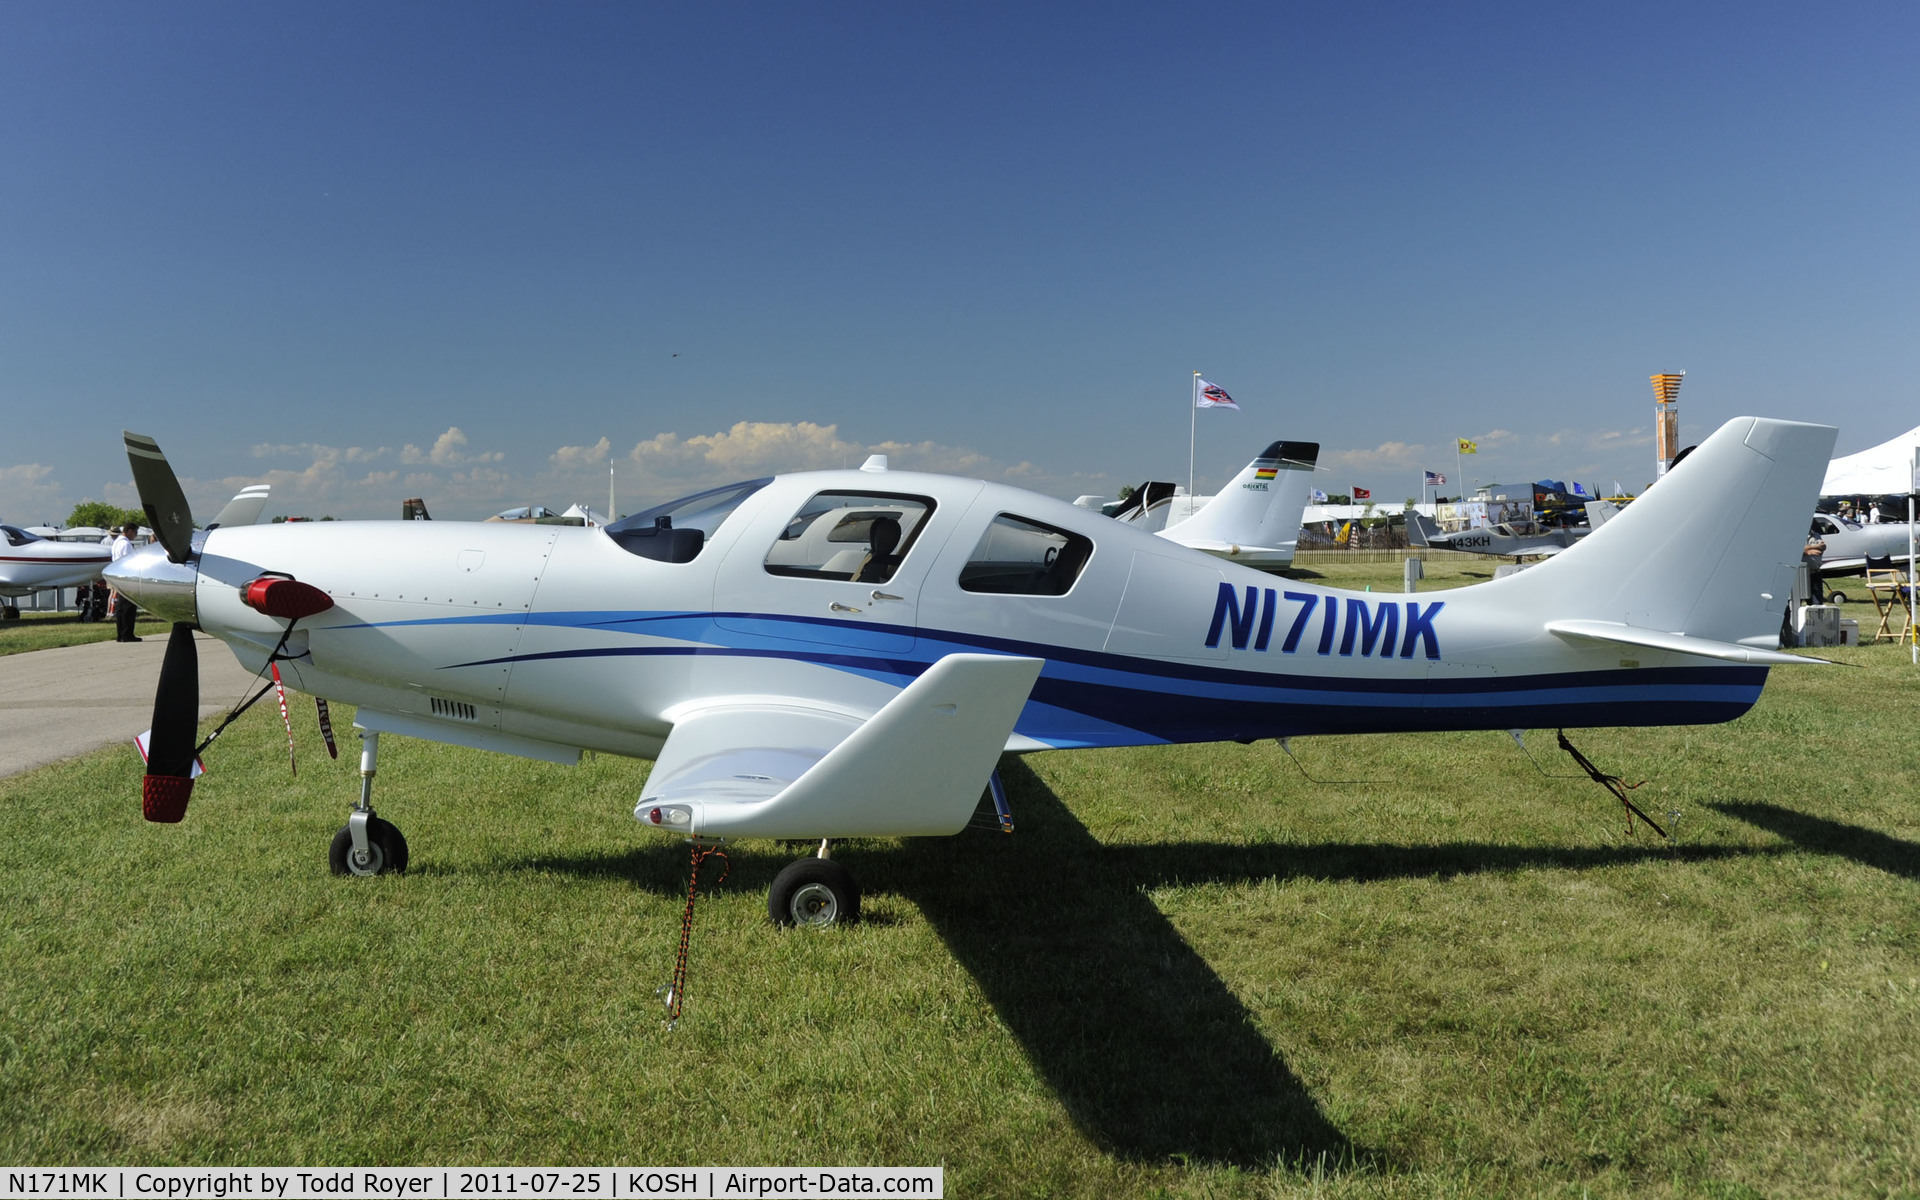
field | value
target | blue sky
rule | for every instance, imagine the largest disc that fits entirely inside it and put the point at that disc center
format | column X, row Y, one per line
column 480, row 252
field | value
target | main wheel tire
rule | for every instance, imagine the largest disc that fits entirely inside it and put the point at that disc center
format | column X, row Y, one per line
column 1836, row 597
column 816, row 892
column 386, row 850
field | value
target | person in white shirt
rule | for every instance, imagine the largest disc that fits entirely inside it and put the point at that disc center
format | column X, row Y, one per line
column 123, row 609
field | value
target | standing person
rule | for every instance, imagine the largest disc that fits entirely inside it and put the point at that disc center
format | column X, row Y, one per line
column 123, row 610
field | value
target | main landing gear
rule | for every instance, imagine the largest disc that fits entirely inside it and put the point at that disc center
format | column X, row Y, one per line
column 367, row 845
column 814, row 891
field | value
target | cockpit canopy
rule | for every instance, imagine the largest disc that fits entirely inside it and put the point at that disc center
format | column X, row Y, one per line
column 17, row 536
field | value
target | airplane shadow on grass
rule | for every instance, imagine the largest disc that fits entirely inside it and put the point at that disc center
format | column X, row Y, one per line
column 1864, row 846
column 1150, row 1052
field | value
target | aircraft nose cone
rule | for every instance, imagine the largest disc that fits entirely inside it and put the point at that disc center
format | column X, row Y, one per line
column 155, row 583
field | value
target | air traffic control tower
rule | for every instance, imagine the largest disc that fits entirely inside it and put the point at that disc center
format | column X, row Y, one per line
column 1666, row 420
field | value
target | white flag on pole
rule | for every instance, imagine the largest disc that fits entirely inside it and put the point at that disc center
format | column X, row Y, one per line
column 1212, row 395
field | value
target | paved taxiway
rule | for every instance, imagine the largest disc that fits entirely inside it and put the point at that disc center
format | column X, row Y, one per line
column 58, row 703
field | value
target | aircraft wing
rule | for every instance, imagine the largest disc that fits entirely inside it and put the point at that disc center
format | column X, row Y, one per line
column 1676, row 643
column 791, row 767
column 1252, row 556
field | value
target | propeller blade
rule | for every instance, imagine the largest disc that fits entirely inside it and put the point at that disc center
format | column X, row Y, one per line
column 176, row 718
column 167, row 512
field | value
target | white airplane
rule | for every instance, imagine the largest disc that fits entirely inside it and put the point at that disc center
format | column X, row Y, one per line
column 1498, row 540
column 847, row 653
column 1253, row 521
column 1850, row 544
column 30, row 563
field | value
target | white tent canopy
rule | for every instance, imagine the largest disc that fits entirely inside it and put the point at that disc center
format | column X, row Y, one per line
column 1883, row 470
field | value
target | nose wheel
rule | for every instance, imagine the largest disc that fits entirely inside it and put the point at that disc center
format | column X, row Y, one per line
column 815, row 892
column 385, row 849
column 367, row 845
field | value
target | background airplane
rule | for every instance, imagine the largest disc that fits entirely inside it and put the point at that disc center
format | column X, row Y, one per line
column 1503, row 540
column 30, row 563
column 847, row 653
column 1850, row 544
column 1253, row 521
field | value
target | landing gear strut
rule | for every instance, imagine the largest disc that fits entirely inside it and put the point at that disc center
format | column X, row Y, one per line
column 367, row 845
column 815, row 891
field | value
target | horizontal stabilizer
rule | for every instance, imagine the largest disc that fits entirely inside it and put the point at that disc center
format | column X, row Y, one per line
column 787, row 768
column 1676, row 643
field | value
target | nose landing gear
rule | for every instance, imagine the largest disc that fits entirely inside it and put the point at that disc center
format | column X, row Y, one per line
column 367, row 845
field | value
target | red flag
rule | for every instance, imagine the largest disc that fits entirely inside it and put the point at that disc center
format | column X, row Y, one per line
column 1361, row 493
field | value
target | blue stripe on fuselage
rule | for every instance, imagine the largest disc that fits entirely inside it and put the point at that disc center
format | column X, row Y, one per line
column 1092, row 698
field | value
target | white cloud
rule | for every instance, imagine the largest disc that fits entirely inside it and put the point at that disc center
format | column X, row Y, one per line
column 573, row 457
column 749, row 448
column 347, row 454
column 30, row 495
column 449, row 449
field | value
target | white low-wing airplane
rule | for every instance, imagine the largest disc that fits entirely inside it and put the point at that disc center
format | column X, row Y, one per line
column 847, row 653
column 30, row 563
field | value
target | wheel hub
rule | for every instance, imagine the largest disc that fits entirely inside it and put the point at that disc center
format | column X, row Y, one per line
column 815, row 904
column 367, row 862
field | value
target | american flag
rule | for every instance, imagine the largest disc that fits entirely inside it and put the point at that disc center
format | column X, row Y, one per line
column 1436, row 479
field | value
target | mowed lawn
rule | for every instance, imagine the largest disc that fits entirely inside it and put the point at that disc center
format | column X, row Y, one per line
column 1191, row 971
column 44, row 630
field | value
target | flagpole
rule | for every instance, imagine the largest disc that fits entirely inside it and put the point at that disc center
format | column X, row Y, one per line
column 1193, row 426
column 1459, row 472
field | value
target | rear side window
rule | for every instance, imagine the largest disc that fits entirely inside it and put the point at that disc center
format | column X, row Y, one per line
column 1021, row 557
column 858, row 536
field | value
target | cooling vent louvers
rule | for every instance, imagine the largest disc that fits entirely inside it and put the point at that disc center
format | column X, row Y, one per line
column 459, row 710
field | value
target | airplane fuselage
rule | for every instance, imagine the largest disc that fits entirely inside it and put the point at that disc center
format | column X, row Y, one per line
column 29, row 564
column 545, row 639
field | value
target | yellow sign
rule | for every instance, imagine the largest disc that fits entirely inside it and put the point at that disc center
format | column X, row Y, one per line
column 1467, row 447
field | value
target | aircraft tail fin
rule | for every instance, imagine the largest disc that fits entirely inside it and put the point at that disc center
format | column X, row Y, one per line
column 244, row 508
column 1599, row 512
column 1263, row 504
column 1709, row 551
column 1420, row 531
column 1146, row 508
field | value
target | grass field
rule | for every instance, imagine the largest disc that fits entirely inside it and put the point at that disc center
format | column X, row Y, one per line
column 41, row 631
column 1190, row 972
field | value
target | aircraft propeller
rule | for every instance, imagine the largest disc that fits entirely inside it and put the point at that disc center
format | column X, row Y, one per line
column 166, row 586
column 168, row 783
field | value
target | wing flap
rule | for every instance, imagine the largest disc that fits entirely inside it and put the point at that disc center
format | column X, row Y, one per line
column 1676, row 643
